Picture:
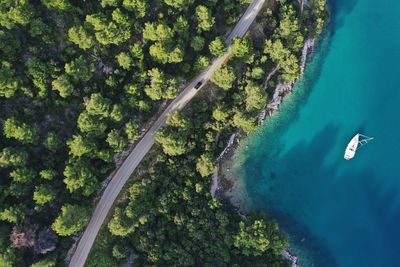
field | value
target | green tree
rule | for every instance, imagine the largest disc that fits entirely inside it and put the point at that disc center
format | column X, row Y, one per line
column 137, row 51
column 116, row 141
column 138, row 6
column 256, row 98
column 252, row 239
column 179, row 4
column 10, row 43
column 160, row 85
column 197, row 43
column 257, row 73
column 47, row 174
column 63, row 85
column 72, row 219
column 117, row 113
column 13, row 214
column 221, row 113
column 15, row 12
column 131, row 130
column 172, row 142
column 224, row 78
column 181, row 26
column 79, row 146
column 244, row 121
column 105, row 3
column 174, row 138
column 50, row 261
column 38, row 72
column 201, row 63
column 88, row 123
column 23, row 175
column 241, row 47
column 20, row 131
column 40, row 29
column 283, row 58
column 79, row 175
column 8, row 257
column 108, row 32
column 52, row 141
column 98, row 105
column 256, row 236
column 204, row 19
column 157, row 32
column 120, row 252
column 124, row 60
column 8, row 82
column 13, row 157
column 289, row 29
column 57, row 4
column 177, row 119
column 79, row 69
column 79, row 36
column 166, row 53
column 205, row 165
column 217, row 47
column 119, row 224
column 43, row 194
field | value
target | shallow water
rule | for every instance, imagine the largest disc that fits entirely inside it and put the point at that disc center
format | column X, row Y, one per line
column 337, row 212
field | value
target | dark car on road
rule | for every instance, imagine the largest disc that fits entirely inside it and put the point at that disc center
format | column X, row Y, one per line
column 198, row 85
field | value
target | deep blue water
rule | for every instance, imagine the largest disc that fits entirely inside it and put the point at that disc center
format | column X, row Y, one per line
column 337, row 212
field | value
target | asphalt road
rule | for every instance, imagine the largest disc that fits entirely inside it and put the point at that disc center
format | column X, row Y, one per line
column 143, row 146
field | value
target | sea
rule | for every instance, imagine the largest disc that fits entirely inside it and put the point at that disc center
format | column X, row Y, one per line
column 336, row 212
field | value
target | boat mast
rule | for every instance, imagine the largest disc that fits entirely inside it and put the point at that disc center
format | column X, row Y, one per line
column 365, row 140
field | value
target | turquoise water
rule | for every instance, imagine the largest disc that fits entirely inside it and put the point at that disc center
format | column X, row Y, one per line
column 337, row 212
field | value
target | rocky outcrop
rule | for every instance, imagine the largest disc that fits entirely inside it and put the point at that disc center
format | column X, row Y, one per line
column 214, row 183
column 46, row 241
column 293, row 259
column 282, row 90
column 27, row 236
column 307, row 49
column 23, row 236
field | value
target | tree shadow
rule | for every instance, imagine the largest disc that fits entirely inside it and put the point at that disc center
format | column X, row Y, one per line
column 339, row 9
column 301, row 162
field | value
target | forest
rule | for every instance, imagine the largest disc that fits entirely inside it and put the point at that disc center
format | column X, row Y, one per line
column 81, row 80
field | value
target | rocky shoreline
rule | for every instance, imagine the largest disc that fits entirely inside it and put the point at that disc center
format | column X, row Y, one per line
column 223, row 178
column 225, row 183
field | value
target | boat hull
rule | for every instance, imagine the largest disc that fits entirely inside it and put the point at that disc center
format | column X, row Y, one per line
column 351, row 147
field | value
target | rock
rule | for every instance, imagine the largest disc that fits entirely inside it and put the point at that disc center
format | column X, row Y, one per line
column 23, row 236
column 46, row 241
column 282, row 90
column 293, row 259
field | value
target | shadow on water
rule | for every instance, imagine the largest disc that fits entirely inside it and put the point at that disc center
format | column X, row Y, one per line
column 298, row 187
column 339, row 9
column 304, row 160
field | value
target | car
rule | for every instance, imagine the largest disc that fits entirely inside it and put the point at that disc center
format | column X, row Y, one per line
column 198, row 85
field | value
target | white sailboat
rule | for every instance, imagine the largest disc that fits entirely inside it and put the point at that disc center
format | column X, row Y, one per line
column 357, row 141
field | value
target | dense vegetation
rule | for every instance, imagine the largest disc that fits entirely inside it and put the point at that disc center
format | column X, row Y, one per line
column 167, row 216
column 78, row 82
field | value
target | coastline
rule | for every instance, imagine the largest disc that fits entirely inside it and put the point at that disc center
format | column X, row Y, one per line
column 226, row 183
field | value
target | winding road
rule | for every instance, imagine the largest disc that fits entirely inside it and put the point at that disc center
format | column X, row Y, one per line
column 143, row 146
